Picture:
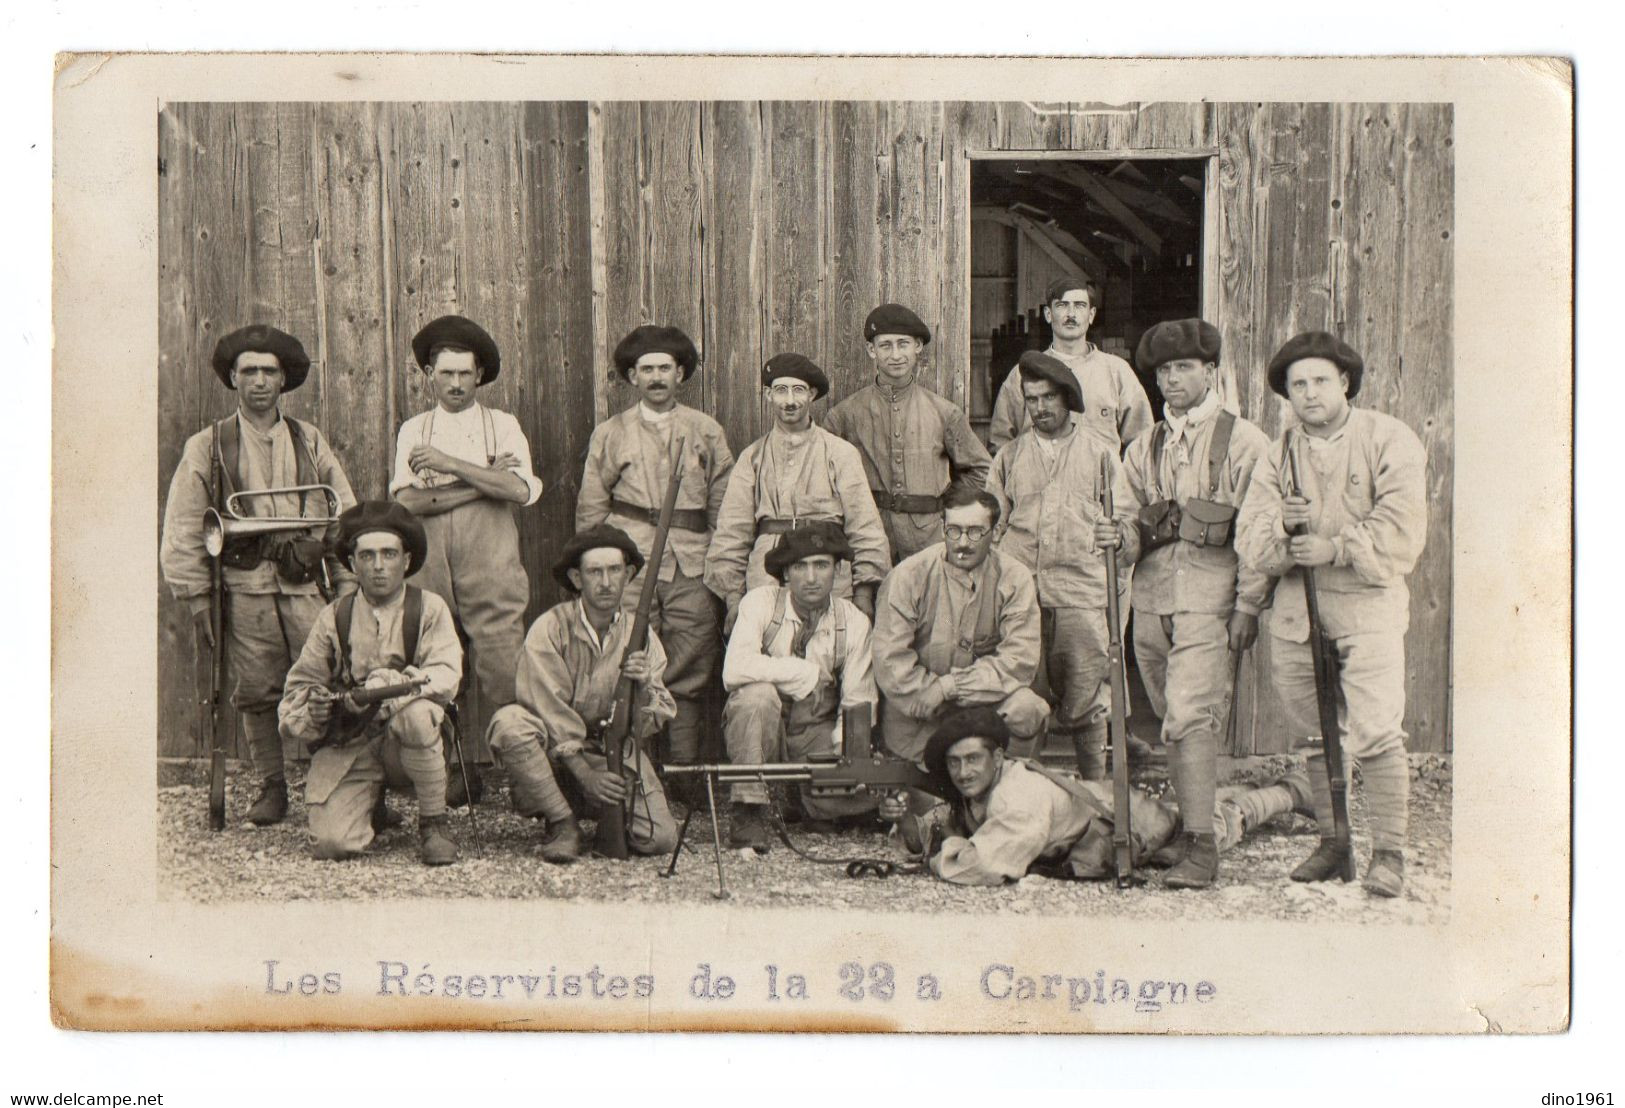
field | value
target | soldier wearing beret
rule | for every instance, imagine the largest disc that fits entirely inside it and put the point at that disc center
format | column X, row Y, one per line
column 272, row 582
column 796, row 474
column 1192, row 605
column 1048, row 482
column 386, row 634
column 574, row 656
column 629, row 462
column 1115, row 409
column 798, row 658
column 1364, row 503
column 913, row 442
column 1010, row 815
column 462, row 467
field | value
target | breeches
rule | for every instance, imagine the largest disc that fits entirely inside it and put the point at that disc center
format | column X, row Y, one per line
column 473, row 564
column 756, row 730
column 689, row 624
column 264, row 634
column 1184, row 660
column 1024, row 710
column 1074, row 672
column 521, row 743
column 345, row 782
column 1372, row 709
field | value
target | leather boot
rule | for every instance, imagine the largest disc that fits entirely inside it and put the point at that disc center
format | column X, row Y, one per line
column 434, row 844
column 382, row 818
column 1090, row 744
column 748, row 827
column 1199, row 866
column 459, row 791
column 1386, row 874
column 563, row 843
column 1323, row 865
column 271, row 806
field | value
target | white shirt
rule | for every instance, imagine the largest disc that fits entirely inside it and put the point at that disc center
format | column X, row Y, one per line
column 476, row 434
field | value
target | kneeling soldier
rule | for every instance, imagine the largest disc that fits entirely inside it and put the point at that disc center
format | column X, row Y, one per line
column 957, row 625
column 389, row 633
column 1192, row 608
column 1359, row 521
column 574, row 656
column 1009, row 814
column 799, row 657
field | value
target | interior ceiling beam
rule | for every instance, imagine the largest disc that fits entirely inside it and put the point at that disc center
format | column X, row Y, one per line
column 1108, row 200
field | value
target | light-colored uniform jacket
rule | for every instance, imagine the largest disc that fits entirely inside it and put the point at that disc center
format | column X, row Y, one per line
column 1116, row 409
column 1367, row 488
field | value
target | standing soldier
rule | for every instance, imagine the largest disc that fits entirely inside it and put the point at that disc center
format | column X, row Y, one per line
column 913, row 442
column 1047, row 481
column 271, row 580
column 628, row 467
column 460, row 468
column 574, row 657
column 1363, row 511
column 1192, row 607
column 958, row 625
column 794, row 475
column 798, row 659
column 1116, row 409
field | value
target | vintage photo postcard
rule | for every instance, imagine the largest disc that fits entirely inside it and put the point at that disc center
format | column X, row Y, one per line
column 657, row 543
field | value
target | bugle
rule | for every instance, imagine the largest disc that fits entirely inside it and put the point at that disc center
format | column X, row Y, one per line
column 221, row 526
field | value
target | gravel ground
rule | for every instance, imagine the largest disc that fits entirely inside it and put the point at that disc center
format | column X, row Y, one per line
column 246, row 863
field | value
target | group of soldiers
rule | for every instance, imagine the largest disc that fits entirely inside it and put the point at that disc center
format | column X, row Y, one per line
column 883, row 562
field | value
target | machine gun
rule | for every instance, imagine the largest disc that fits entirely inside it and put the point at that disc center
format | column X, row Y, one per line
column 611, row 835
column 856, row 770
column 1328, row 668
column 1122, row 841
column 342, row 724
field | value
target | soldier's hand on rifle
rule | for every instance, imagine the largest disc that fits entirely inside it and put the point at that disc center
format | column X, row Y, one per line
column 1243, row 630
column 319, row 708
column 1294, row 512
column 203, row 629
column 636, row 666
column 1107, row 534
column 603, row 786
column 1311, row 550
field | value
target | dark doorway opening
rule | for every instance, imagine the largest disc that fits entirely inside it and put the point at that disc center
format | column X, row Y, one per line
column 1135, row 225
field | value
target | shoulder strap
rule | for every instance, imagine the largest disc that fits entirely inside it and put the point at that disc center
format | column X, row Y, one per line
column 304, row 453
column 772, row 630
column 489, row 427
column 1159, row 437
column 343, row 613
column 229, row 443
column 411, row 617
column 1218, row 449
column 840, row 636
column 1072, row 785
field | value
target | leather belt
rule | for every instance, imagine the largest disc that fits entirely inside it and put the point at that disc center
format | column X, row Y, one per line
column 907, row 503
column 684, row 519
column 768, row 526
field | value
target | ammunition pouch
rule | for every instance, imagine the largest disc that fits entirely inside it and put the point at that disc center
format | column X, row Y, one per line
column 243, row 552
column 1159, row 525
column 298, row 558
column 1207, row 523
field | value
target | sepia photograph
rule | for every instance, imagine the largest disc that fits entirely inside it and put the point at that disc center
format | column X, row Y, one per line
column 726, row 538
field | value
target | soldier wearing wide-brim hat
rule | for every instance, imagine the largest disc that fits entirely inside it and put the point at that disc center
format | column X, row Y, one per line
column 1048, row 484
column 463, row 468
column 1115, row 409
column 795, row 474
column 1007, row 816
column 273, row 581
column 1195, row 609
column 798, row 657
column 551, row 739
column 1359, row 520
column 629, row 463
column 914, row 443
column 385, row 633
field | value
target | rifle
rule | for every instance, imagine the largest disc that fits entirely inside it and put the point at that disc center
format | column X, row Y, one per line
column 212, row 717
column 1328, row 666
column 856, row 770
column 342, row 724
column 611, row 836
column 1122, row 841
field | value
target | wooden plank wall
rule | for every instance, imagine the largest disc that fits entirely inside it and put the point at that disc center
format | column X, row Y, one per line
column 758, row 227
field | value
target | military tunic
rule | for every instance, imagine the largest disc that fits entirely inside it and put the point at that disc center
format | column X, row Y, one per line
column 1116, row 408
column 913, row 444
